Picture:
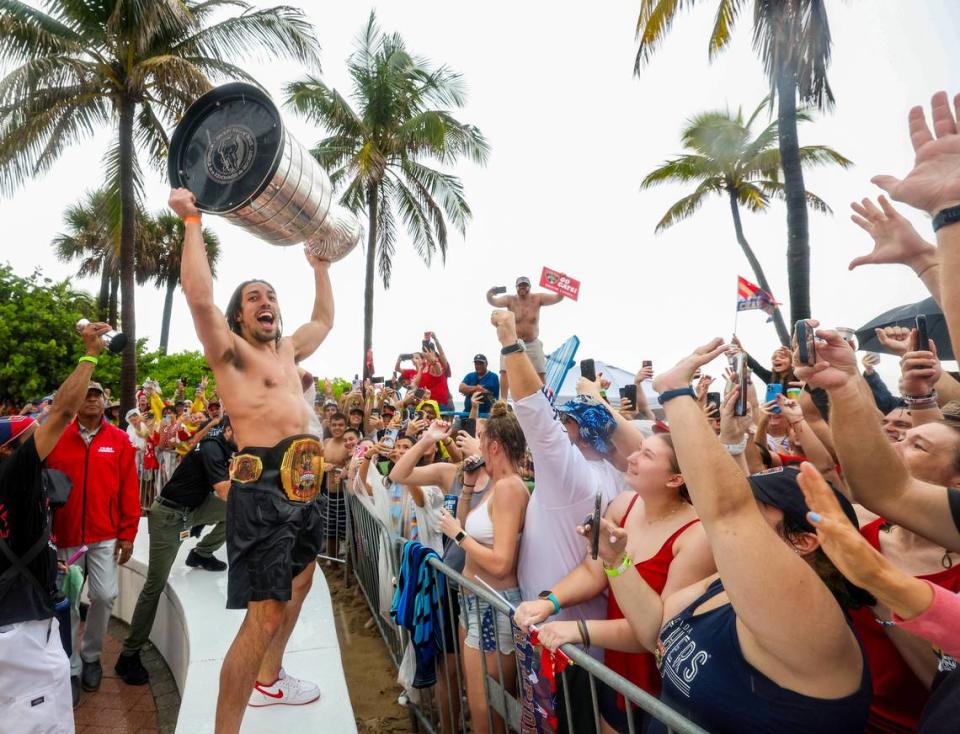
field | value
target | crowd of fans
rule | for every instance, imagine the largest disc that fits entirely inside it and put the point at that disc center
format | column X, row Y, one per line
column 769, row 560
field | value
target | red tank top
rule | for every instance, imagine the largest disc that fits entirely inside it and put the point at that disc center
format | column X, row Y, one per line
column 640, row 668
column 898, row 695
column 437, row 385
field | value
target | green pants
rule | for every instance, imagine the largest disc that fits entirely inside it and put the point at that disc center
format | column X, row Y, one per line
column 165, row 526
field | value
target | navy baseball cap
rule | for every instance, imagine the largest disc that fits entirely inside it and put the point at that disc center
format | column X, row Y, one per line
column 779, row 488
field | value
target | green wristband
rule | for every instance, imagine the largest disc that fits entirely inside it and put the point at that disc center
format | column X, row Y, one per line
column 91, row 359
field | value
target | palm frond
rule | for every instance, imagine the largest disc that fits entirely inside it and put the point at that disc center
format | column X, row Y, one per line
column 265, row 34
column 683, row 208
column 386, row 232
column 727, row 12
column 752, row 196
column 418, row 225
column 821, row 155
column 776, row 190
column 653, row 23
column 325, row 106
column 681, row 169
column 446, row 188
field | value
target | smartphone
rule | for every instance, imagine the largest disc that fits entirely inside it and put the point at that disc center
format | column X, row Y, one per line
column 630, row 393
column 500, row 289
column 772, row 392
column 806, row 342
column 470, row 426
column 376, row 380
column 392, row 384
column 418, row 393
column 389, row 439
column 473, row 465
column 406, row 357
column 647, row 363
column 426, row 345
column 713, row 398
column 739, row 367
column 374, row 413
column 923, row 339
column 595, row 527
column 588, row 369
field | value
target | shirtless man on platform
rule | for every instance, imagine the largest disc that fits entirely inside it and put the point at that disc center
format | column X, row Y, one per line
column 273, row 521
column 526, row 307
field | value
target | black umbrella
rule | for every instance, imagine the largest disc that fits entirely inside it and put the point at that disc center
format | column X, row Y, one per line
column 906, row 316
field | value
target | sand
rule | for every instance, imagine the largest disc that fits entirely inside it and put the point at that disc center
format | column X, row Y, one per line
column 371, row 675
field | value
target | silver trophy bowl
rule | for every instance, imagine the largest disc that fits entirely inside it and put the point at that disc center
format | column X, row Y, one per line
column 233, row 152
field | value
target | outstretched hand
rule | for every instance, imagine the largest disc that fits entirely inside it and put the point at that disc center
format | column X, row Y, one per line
column 934, row 182
column 895, row 241
column 836, row 361
column 680, row 375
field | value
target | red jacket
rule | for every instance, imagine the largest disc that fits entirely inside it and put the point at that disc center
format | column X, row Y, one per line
column 105, row 501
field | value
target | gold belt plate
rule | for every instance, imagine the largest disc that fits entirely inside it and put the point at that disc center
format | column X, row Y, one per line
column 302, row 470
column 245, row 468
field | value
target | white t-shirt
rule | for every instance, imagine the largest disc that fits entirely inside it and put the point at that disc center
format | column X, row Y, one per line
column 566, row 485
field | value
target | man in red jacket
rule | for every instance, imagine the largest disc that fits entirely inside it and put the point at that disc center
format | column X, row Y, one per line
column 102, row 513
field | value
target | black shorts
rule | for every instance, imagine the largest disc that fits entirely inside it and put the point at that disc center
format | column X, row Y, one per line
column 270, row 538
column 334, row 511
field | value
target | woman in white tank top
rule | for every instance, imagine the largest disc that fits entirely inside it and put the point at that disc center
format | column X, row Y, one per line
column 491, row 543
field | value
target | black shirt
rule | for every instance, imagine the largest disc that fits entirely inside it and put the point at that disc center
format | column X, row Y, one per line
column 193, row 479
column 23, row 521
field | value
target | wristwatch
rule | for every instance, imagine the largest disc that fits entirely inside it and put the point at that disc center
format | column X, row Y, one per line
column 668, row 395
column 518, row 347
column 950, row 215
column 460, row 537
column 552, row 598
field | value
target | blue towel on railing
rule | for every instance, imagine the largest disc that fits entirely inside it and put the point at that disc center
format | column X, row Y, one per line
column 418, row 607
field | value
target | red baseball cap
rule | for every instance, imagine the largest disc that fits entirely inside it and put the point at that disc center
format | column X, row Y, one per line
column 13, row 427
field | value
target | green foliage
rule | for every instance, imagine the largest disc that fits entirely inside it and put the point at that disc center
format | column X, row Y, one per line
column 340, row 386
column 38, row 339
column 41, row 347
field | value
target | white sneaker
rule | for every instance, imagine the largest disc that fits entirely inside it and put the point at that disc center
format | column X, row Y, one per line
column 286, row 690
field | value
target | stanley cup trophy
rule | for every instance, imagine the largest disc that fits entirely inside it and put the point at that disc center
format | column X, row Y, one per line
column 232, row 151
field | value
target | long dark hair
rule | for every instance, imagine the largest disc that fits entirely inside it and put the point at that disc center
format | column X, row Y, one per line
column 235, row 307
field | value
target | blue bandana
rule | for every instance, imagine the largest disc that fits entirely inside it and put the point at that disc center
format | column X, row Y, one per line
column 596, row 424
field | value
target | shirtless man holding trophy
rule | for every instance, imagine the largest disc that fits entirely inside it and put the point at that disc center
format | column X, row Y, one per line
column 274, row 531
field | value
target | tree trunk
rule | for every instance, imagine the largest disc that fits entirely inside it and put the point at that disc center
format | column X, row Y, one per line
column 114, row 299
column 103, row 299
column 128, row 314
column 372, row 205
column 798, row 236
column 782, row 331
column 167, row 312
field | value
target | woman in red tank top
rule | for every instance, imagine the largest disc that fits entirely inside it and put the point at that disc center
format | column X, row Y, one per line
column 897, row 658
column 670, row 551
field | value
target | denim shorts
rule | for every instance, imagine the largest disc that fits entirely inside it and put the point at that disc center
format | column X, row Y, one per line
column 481, row 634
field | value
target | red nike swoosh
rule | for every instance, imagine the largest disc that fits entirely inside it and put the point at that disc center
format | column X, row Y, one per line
column 278, row 694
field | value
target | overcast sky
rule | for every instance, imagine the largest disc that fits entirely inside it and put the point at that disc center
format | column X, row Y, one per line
column 572, row 133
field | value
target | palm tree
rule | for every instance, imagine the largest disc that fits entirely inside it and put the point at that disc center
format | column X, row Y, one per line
column 164, row 247
column 87, row 240
column 792, row 39
column 724, row 157
column 130, row 65
column 377, row 150
column 92, row 238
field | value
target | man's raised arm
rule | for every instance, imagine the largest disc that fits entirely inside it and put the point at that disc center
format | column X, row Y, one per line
column 197, row 281
column 308, row 337
column 497, row 301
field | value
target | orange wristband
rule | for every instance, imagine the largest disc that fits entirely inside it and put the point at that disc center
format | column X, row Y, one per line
column 191, row 218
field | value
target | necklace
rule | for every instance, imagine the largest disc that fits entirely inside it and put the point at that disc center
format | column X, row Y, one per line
column 667, row 516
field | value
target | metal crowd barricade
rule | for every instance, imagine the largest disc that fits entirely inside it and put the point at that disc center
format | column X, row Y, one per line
column 444, row 708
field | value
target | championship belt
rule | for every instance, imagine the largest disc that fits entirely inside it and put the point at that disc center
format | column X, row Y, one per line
column 302, row 469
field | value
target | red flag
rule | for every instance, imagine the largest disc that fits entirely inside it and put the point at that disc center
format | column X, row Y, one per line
column 751, row 297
